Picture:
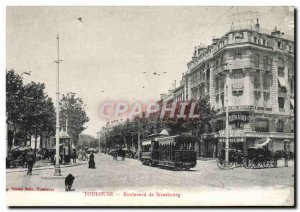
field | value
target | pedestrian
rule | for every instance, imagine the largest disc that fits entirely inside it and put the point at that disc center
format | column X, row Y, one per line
column 30, row 161
column 92, row 161
column 74, row 156
column 24, row 159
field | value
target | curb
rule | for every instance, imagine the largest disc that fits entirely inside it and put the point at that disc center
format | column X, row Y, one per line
column 45, row 167
column 206, row 161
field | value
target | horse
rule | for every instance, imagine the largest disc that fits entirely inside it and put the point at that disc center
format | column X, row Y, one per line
column 48, row 154
column 291, row 156
column 121, row 153
column 279, row 154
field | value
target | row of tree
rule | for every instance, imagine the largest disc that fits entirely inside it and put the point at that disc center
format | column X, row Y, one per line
column 30, row 112
column 126, row 134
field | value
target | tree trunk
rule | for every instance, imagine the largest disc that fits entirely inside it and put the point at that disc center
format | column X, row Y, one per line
column 35, row 141
column 41, row 142
column 46, row 142
column 25, row 139
column 14, row 135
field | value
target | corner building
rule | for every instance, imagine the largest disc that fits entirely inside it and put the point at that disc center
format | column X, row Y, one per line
column 253, row 71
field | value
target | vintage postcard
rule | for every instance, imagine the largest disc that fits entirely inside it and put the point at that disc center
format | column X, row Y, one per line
column 150, row 106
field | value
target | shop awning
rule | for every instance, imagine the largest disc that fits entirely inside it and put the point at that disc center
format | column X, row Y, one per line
column 282, row 82
column 292, row 102
column 264, row 143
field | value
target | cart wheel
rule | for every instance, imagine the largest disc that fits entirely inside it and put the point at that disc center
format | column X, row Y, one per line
column 266, row 163
column 239, row 163
column 247, row 163
column 254, row 164
column 221, row 163
column 275, row 163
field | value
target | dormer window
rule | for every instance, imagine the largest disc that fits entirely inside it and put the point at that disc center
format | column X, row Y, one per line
column 255, row 39
column 279, row 44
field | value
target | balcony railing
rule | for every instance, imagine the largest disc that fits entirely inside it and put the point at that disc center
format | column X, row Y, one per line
column 244, row 108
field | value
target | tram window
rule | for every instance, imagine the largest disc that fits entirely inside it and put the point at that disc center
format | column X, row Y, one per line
column 146, row 148
column 155, row 146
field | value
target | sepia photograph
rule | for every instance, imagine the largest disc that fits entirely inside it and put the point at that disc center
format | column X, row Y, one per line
column 157, row 106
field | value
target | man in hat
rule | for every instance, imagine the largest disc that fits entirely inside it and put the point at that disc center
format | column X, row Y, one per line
column 30, row 161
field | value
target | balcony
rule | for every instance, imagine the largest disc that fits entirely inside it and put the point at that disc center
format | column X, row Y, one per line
column 239, row 64
column 244, row 108
column 269, row 134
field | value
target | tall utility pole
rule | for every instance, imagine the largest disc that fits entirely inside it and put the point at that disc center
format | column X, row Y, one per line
column 227, row 123
column 57, row 166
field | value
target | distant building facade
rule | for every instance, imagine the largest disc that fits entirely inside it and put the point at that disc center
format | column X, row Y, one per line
column 254, row 72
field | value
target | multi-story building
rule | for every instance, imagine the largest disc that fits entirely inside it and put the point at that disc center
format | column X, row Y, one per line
column 253, row 72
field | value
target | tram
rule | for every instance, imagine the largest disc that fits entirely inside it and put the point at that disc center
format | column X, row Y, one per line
column 170, row 151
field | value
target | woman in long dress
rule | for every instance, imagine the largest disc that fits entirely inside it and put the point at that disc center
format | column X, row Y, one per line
column 92, row 161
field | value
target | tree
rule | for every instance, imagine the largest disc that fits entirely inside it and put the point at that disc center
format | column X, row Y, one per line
column 87, row 141
column 28, row 108
column 39, row 115
column 14, row 97
column 72, row 110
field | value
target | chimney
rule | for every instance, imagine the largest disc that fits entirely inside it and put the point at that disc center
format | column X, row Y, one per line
column 195, row 53
column 175, row 84
column 257, row 25
column 276, row 32
column 215, row 40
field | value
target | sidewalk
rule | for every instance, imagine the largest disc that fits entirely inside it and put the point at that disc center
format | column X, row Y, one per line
column 202, row 159
column 40, row 165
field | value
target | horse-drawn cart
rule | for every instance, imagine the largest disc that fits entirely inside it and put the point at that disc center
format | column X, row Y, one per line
column 235, row 158
column 258, row 157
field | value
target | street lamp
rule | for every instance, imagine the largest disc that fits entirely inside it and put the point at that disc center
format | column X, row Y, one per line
column 226, row 165
column 57, row 171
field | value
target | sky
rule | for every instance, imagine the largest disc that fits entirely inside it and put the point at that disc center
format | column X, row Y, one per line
column 112, row 47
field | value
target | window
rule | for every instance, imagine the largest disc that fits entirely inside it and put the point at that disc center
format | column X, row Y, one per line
column 281, row 102
column 281, row 89
column 255, row 39
column 256, row 60
column 280, row 126
column 217, row 84
column 257, row 79
column 280, row 71
column 222, row 99
column 266, row 96
column 237, row 56
column 237, row 92
column 259, row 41
column 292, row 126
column 292, row 85
column 266, row 99
column 237, row 74
column 257, row 95
column 264, row 42
column 220, row 125
column 279, row 44
column 266, row 62
column 261, row 125
column 267, row 77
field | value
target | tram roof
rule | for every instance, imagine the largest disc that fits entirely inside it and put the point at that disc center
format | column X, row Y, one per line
column 169, row 139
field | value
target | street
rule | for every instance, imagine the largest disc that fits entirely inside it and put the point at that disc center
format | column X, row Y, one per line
column 110, row 175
